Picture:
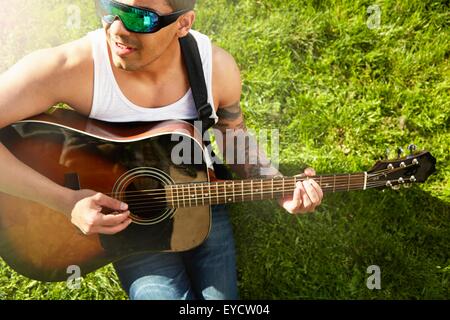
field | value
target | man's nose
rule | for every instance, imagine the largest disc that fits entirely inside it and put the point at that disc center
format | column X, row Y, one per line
column 117, row 27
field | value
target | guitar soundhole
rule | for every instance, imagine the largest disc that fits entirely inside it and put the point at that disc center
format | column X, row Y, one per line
column 146, row 200
column 143, row 190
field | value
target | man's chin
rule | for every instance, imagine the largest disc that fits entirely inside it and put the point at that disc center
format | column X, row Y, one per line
column 124, row 65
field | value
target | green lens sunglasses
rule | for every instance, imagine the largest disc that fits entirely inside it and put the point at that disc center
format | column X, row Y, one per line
column 135, row 19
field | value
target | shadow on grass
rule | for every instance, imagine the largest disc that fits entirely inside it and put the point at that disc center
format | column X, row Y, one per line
column 325, row 255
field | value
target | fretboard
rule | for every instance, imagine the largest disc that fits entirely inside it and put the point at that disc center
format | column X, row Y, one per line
column 234, row 191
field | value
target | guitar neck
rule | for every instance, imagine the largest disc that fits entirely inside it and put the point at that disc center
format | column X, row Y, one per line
column 234, row 191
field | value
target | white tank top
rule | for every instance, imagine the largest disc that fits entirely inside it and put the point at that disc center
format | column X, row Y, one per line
column 110, row 104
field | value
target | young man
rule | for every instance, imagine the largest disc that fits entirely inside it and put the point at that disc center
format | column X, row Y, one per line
column 133, row 70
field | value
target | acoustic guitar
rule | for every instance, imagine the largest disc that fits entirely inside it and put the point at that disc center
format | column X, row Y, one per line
column 139, row 163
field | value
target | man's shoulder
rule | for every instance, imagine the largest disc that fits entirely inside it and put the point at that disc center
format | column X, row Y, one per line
column 226, row 76
column 50, row 62
column 74, row 53
column 222, row 57
column 65, row 70
column 65, row 57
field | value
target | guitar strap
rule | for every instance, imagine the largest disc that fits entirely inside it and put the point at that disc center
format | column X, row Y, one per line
column 194, row 66
column 197, row 80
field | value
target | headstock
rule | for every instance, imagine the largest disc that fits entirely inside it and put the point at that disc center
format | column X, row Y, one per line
column 402, row 172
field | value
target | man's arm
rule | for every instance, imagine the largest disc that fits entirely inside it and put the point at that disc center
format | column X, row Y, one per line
column 28, row 88
column 37, row 82
column 245, row 156
column 227, row 88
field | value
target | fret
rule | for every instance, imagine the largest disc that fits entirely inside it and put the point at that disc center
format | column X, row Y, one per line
column 225, row 190
column 242, row 190
column 178, row 196
column 194, row 195
column 283, row 186
column 234, row 193
column 348, row 189
column 273, row 197
column 251, row 189
column 320, row 181
column 217, row 196
column 170, row 197
column 262, row 190
column 334, row 183
column 209, row 193
column 182, row 195
column 365, row 181
column 203, row 194
column 190, row 195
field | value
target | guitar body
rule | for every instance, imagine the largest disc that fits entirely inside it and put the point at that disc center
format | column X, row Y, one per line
column 131, row 162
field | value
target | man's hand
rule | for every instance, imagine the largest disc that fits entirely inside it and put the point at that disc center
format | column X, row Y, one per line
column 307, row 196
column 87, row 216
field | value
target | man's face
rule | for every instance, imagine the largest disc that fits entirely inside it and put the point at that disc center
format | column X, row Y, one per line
column 134, row 51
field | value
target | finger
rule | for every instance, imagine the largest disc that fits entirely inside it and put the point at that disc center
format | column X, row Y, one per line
column 111, row 203
column 295, row 200
column 310, row 172
column 299, row 199
column 307, row 202
column 312, row 193
column 318, row 189
column 298, row 195
column 116, row 229
column 81, row 231
column 111, row 220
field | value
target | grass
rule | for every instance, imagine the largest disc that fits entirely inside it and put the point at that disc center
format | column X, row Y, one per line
column 340, row 93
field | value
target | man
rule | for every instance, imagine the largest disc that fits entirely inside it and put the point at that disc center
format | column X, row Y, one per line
column 133, row 70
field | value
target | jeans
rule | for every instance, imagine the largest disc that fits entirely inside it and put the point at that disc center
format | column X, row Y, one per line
column 206, row 272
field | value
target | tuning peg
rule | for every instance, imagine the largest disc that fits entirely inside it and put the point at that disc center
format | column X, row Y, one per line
column 399, row 152
column 412, row 148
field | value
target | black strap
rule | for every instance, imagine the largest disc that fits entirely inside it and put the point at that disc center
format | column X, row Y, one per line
column 194, row 66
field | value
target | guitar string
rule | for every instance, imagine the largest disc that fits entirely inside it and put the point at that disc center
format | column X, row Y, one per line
column 199, row 185
column 164, row 205
column 236, row 183
column 185, row 199
column 237, row 190
column 276, row 180
column 187, row 203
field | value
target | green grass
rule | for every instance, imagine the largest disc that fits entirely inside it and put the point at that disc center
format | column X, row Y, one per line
column 340, row 94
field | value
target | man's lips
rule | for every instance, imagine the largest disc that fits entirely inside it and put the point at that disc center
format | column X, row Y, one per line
column 122, row 49
column 124, row 46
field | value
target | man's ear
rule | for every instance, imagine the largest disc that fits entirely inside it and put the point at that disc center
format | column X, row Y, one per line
column 185, row 23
